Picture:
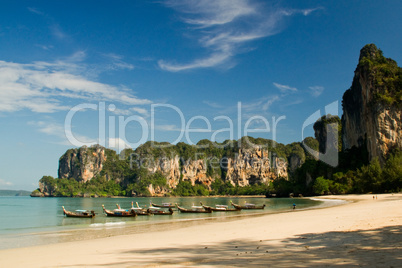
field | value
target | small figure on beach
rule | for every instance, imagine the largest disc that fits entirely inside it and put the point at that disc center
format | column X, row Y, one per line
column 294, row 206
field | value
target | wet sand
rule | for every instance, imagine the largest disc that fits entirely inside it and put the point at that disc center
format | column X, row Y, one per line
column 363, row 232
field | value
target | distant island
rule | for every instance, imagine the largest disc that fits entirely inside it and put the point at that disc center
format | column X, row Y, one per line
column 365, row 144
column 14, row 193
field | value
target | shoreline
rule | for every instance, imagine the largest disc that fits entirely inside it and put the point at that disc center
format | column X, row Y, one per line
column 284, row 239
column 62, row 234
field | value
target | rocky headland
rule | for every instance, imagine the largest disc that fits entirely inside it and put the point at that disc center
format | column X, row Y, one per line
column 370, row 125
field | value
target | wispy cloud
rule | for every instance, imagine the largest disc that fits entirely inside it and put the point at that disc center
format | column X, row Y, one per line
column 5, row 183
column 213, row 104
column 213, row 60
column 316, row 91
column 268, row 103
column 260, row 107
column 223, row 27
column 118, row 144
column 117, row 62
column 45, row 47
column 132, row 110
column 285, row 88
column 168, row 128
column 43, row 87
column 55, row 29
column 57, row 130
column 224, row 11
column 36, row 11
column 57, row 32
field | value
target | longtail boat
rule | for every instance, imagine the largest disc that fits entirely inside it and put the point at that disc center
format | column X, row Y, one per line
column 247, row 206
column 164, row 205
column 119, row 212
column 79, row 213
column 220, row 208
column 194, row 209
column 138, row 210
column 159, row 211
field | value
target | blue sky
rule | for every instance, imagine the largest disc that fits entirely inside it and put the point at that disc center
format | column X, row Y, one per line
column 195, row 62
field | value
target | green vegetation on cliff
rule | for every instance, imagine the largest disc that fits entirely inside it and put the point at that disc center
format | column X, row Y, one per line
column 386, row 74
column 317, row 178
column 323, row 127
column 142, row 172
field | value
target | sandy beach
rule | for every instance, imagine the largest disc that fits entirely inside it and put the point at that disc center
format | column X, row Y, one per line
column 363, row 232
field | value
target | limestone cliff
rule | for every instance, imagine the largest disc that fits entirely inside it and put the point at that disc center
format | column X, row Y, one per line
column 196, row 172
column 327, row 131
column 295, row 161
column 252, row 166
column 372, row 106
column 174, row 168
column 247, row 167
column 82, row 163
column 169, row 168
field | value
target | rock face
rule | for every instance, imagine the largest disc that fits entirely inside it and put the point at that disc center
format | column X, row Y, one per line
column 252, row 166
column 168, row 167
column 372, row 107
column 248, row 167
column 83, row 163
column 196, row 172
column 295, row 161
column 156, row 191
column 327, row 132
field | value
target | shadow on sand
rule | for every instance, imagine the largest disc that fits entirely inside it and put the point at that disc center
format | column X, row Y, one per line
column 380, row 247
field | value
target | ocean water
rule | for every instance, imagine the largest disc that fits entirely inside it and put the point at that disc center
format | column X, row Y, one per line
column 26, row 221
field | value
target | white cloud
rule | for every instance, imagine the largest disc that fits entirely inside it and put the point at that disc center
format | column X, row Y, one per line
column 223, row 27
column 77, row 56
column 267, row 104
column 130, row 111
column 285, row 88
column 5, row 183
column 43, row 87
column 48, row 128
column 117, row 62
column 223, row 11
column 45, row 47
column 139, row 110
column 58, row 130
column 35, row 11
column 168, row 128
column 211, row 61
column 262, row 105
column 213, row 104
column 316, row 91
column 57, row 32
column 307, row 12
column 118, row 144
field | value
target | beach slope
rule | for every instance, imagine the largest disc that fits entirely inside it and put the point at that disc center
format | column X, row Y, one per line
column 363, row 232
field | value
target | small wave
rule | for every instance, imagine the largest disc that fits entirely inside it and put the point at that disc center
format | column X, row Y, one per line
column 329, row 200
column 107, row 224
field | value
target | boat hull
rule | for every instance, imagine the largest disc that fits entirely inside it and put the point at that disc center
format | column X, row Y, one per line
column 156, row 212
column 220, row 210
column 110, row 213
column 248, row 207
column 184, row 210
column 78, row 215
column 162, row 206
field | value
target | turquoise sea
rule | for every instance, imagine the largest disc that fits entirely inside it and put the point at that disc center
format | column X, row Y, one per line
column 27, row 221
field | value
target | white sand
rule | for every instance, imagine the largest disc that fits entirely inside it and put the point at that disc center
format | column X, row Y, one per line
column 364, row 232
